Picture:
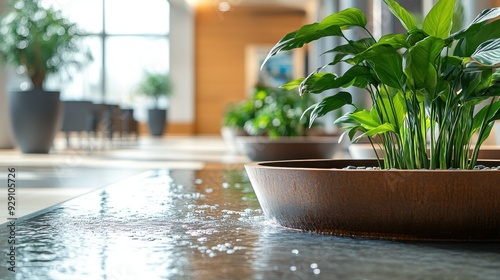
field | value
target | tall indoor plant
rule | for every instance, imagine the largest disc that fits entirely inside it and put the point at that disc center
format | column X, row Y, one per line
column 431, row 91
column 425, row 85
column 39, row 41
column 155, row 85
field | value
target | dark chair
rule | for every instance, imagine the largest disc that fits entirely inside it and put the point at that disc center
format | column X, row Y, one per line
column 77, row 117
column 128, row 125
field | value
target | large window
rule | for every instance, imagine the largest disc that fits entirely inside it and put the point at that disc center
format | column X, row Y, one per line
column 126, row 38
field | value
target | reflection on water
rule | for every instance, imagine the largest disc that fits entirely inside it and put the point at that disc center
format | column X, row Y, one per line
column 208, row 225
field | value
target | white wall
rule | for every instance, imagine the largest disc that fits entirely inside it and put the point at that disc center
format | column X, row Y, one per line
column 182, row 105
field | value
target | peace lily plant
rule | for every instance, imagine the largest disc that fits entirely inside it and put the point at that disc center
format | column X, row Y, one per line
column 431, row 90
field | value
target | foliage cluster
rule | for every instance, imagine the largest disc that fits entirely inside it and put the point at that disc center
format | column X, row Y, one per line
column 40, row 40
column 431, row 89
column 272, row 112
column 155, row 85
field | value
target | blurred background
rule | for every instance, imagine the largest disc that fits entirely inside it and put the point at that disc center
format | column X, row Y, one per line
column 211, row 50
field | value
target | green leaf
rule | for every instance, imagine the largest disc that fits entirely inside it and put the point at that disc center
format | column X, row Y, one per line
column 486, row 133
column 365, row 118
column 383, row 128
column 328, row 104
column 358, row 76
column 472, row 83
column 397, row 41
column 317, row 82
column 347, row 17
column 479, row 84
column 477, row 23
column 438, row 21
column 353, row 47
column 395, row 107
column 330, row 26
column 470, row 41
column 420, row 60
column 488, row 53
column 488, row 113
column 292, row 84
column 403, row 15
column 496, row 116
column 386, row 63
column 416, row 36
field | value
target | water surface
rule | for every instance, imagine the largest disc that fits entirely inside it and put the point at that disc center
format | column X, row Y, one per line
column 187, row 224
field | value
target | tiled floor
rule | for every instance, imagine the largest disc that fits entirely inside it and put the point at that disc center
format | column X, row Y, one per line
column 45, row 180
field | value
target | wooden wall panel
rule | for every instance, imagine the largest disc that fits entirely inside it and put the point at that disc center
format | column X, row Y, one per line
column 220, row 54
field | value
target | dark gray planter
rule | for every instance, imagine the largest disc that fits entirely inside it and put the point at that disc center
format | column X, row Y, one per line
column 35, row 119
column 157, row 119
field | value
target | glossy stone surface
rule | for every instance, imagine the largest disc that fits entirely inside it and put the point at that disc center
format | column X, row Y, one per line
column 207, row 224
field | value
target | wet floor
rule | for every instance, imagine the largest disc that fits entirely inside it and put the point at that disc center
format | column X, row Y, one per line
column 207, row 224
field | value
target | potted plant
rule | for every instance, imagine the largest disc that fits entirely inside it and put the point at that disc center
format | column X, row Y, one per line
column 155, row 85
column 39, row 41
column 275, row 126
column 233, row 123
column 426, row 86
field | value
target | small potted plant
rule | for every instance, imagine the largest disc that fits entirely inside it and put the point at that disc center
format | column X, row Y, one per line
column 155, row 85
column 432, row 90
column 275, row 126
column 233, row 123
column 39, row 41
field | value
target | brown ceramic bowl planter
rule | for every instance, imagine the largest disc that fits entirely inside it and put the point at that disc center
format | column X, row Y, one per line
column 438, row 205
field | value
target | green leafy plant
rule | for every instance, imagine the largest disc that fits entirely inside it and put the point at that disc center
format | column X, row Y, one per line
column 431, row 90
column 271, row 112
column 155, row 85
column 236, row 114
column 40, row 40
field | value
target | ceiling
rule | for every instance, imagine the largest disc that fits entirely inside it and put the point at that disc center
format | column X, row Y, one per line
column 301, row 3
column 284, row 3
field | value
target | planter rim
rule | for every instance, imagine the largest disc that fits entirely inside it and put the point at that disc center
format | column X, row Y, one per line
column 288, row 139
column 325, row 165
column 35, row 91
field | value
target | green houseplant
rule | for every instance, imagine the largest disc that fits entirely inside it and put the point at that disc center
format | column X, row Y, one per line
column 155, row 85
column 270, row 112
column 274, row 120
column 426, row 86
column 39, row 41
